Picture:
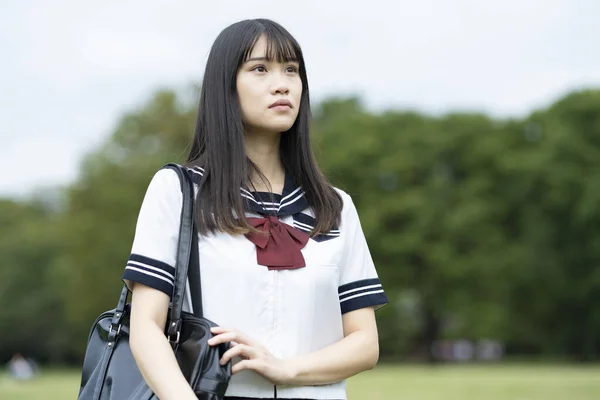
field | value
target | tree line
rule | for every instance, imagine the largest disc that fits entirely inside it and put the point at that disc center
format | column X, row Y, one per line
column 480, row 227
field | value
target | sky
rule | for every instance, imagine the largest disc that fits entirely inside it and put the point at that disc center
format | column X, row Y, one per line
column 70, row 68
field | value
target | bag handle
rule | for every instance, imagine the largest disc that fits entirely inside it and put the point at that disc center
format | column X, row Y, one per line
column 185, row 257
column 184, row 252
column 194, row 277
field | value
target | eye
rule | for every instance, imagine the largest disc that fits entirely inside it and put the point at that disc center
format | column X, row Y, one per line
column 292, row 69
column 259, row 68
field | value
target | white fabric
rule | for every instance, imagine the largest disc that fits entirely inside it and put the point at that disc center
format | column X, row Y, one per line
column 290, row 312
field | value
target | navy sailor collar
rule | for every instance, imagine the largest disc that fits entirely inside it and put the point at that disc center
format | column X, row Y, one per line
column 292, row 200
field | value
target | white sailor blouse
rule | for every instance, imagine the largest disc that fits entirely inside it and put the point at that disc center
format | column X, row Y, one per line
column 292, row 306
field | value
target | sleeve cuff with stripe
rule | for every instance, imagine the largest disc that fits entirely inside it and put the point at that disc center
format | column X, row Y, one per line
column 360, row 294
column 150, row 272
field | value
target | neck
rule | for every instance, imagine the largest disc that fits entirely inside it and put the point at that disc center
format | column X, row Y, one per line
column 263, row 150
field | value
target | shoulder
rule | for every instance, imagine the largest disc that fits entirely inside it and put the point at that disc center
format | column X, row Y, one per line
column 164, row 185
column 347, row 200
column 167, row 178
column 164, row 177
column 163, row 191
column 349, row 213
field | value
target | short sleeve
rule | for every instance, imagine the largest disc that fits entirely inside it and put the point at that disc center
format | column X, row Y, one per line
column 359, row 284
column 154, row 249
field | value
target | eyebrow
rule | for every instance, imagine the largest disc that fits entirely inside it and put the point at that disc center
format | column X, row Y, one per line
column 266, row 59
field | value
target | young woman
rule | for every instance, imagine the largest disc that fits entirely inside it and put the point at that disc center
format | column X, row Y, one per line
column 286, row 271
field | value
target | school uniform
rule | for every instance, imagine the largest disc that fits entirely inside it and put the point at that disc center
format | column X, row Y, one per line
column 289, row 295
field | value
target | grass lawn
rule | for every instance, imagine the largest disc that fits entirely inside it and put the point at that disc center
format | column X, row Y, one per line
column 497, row 382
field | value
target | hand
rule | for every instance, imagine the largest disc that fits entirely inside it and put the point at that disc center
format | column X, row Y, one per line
column 255, row 356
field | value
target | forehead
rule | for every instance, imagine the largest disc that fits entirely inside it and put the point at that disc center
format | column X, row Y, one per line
column 259, row 49
column 280, row 49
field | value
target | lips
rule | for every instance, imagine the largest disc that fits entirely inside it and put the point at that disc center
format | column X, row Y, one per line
column 281, row 103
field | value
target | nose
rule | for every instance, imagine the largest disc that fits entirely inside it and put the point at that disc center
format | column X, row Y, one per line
column 280, row 85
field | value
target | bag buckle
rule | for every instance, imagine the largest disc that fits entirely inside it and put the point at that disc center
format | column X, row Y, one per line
column 111, row 329
column 112, row 335
column 174, row 329
column 176, row 341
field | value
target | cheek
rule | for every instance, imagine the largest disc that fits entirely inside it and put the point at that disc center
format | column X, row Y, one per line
column 247, row 99
column 297, row 93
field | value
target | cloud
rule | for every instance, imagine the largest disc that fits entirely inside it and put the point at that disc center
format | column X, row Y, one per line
column 71, row 67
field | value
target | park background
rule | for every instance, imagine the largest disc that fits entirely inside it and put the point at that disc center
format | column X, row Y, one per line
column 468, row 134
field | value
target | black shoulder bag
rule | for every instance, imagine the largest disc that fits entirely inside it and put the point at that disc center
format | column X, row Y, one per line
column 109, row 369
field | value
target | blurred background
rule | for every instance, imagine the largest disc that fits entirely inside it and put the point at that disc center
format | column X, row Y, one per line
column 467, row 132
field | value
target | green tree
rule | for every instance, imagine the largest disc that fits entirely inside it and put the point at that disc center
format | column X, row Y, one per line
column 479, row 227
column 103, row 204
column 30, row 298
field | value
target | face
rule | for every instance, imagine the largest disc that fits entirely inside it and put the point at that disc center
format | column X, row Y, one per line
column 269, row 92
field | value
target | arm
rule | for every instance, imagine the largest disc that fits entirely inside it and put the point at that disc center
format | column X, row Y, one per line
column 358, row 351
column 150, row 347
column 360, row 294
column 150, row 274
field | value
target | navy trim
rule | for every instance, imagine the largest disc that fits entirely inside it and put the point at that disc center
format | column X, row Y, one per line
column 267, row 197
column 294, row 204
column 196, row 174
column 301, row 228
column 378, row 299
column 288, row 185
column 324, row 238
column 152, row 262
column 361, row 291
column 305, row 219
column 292, row 196
column 301, row 218
column 158, row 273
column 254, row 199
column 158, row 284
column 150, row 272
column 292, row 199
column 360, row 294
column 358, row 284
column 318, row 238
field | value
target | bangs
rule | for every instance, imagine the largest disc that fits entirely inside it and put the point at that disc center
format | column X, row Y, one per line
column 280, row 46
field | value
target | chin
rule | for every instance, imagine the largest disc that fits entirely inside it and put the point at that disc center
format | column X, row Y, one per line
column 273, row 126
column 283, row 129
column 277, row 128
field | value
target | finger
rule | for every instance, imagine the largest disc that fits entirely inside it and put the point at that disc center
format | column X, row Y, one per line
column 220, row 329
column 241, row 350
column 229, row 354
column 245, row 364
column 223, row 338
column 234, row 338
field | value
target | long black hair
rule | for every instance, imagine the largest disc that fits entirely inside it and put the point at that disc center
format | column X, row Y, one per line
column 218, row 143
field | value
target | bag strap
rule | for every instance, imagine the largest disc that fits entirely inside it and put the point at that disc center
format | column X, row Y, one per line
column 186, row 256
column 194, row 275
column 193, row 267
column 184, row 252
